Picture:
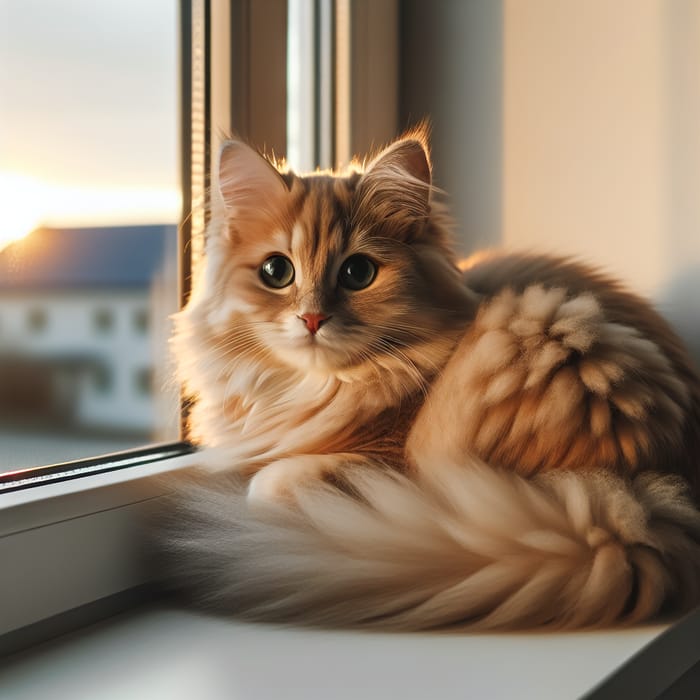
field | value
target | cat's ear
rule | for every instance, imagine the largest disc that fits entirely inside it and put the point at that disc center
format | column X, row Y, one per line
column 397, row 183
column 250, row 186
column 407, row 156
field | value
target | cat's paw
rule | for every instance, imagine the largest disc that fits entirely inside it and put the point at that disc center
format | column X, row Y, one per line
column 270, row 485
column 281, row 481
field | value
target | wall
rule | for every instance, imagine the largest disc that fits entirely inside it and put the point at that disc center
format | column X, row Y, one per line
column 569, row 127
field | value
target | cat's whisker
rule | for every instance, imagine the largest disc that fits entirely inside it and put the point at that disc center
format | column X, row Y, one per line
column 408, row 365
column 398, row 343
column 243, row 339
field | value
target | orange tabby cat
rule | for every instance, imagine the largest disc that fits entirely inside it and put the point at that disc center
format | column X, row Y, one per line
column 395, row 440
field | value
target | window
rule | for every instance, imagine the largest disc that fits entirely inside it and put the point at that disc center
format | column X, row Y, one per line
column 88, row 279
column 88, row 233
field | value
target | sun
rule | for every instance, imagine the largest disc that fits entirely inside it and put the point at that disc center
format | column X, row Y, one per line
column 20, row 203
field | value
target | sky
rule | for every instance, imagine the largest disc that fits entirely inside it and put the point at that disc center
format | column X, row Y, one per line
column 88, row 113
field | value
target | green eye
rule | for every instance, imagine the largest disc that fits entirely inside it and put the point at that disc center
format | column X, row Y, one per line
column 357, row 272
column 277, row 272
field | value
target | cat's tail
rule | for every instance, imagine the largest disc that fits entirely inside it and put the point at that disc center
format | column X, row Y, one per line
column 476, row 547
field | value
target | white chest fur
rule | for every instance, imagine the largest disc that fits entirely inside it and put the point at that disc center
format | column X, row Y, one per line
column 259, row 415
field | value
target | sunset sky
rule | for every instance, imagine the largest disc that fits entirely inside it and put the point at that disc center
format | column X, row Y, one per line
column 88, row 113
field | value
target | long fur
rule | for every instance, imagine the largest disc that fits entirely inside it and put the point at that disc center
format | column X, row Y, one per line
column 512, row 444
column 474, row 547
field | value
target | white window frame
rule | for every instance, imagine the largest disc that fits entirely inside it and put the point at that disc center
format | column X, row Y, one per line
column 70, row 543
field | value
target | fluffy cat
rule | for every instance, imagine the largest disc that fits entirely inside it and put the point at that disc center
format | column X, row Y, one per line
column 393, row 439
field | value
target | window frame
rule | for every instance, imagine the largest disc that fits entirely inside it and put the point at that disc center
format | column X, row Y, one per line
column 69, row 532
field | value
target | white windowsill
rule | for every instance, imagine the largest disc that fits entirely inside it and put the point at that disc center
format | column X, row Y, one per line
column 167, row 653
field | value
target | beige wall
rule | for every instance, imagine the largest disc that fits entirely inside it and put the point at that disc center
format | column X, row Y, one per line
column 590, row 89
column 571, row 127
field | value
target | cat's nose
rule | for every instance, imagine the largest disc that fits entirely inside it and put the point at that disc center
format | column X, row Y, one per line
column 314, row 321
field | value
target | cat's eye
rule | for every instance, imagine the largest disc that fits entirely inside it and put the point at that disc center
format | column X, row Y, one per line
column 357, row 272
column 277, row 272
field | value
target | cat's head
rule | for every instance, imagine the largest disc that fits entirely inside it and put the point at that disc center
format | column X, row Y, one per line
column 327, row 271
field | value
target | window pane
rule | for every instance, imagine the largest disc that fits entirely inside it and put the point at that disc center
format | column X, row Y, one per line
column 89, row 205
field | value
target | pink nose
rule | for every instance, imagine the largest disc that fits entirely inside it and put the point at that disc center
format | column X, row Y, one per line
column 314, row 321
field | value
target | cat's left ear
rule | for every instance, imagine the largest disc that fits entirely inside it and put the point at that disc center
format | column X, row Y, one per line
column 250, row 186
column 397, row 183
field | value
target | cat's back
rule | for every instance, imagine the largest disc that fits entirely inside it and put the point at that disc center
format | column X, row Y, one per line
column 490, row 273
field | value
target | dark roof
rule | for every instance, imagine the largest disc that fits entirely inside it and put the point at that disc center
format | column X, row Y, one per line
column 80, row 258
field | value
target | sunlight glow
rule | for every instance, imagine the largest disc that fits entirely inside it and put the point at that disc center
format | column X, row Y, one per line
column 26, row 203
column 19, row 213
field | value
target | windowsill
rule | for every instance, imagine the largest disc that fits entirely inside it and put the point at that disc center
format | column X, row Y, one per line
column 71, row 544
column 159, row 652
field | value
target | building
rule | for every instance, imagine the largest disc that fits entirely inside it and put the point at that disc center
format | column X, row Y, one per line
column 82, row 326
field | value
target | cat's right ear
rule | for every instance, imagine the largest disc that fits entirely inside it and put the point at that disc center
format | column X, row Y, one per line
column 250, row 186
column 396, row 185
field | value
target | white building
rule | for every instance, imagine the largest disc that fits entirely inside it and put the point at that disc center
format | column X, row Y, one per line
column 77, row 327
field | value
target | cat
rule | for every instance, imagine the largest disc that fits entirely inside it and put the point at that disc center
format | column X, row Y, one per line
column 392, row 438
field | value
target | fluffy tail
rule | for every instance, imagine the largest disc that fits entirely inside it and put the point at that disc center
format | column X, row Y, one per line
column 477, row 547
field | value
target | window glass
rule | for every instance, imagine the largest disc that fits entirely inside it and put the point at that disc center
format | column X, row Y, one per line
column 89, row 184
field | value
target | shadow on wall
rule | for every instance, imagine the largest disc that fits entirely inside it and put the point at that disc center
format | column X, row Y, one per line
column 679, row 303
column 452, row 74
column 679, row 300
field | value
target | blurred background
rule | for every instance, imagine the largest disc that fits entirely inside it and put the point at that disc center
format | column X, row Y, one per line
column 557, row 125
column 89, row 207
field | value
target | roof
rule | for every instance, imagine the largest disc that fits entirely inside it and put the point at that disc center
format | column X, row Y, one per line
column 82, row 258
